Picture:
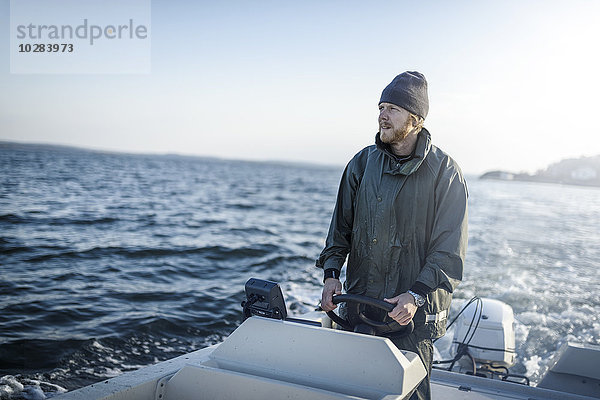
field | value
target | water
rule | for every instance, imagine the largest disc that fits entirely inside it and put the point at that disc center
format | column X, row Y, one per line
column 110, row 262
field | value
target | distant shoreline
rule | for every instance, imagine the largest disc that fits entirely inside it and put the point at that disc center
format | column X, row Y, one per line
column 583, row 171
column 63, row 147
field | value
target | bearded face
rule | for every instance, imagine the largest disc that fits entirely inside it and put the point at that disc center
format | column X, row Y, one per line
column 394, row 123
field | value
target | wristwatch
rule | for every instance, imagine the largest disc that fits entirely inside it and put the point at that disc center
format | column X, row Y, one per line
column 419, row 300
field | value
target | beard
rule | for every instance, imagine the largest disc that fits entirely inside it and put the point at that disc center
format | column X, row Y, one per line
column 395, row 135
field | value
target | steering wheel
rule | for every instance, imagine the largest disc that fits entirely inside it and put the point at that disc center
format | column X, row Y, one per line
column 355, row 304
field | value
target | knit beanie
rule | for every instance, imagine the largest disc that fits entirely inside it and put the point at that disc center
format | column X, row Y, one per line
column 409, row 91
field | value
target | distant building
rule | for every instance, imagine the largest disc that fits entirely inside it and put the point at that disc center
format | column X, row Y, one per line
column 501, row 175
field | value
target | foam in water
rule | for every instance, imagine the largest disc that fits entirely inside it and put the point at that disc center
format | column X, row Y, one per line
column 17, row 387
column 9, row 385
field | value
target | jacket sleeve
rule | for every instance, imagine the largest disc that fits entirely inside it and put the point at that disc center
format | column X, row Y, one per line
column 337, row 244
column 448, row 242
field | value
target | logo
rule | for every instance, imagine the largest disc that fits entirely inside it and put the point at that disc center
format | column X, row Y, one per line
column 81, row 37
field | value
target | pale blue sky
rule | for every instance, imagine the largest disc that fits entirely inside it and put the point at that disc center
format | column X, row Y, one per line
column 513, row 84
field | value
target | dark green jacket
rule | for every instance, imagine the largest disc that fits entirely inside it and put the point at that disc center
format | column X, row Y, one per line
column 399, row 223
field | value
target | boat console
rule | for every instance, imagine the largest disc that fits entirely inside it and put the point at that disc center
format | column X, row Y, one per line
column 273, row 356
column 266, row 358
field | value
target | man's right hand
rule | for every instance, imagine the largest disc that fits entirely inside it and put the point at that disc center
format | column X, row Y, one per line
column 332, row 286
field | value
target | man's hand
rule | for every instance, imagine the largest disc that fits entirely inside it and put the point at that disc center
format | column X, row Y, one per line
column 405, row 308
column 332, row 286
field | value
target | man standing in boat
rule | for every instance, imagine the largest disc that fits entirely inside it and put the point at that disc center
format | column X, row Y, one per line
column 401, row 218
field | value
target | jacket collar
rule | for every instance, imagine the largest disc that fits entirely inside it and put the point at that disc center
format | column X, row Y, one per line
column 395, row 166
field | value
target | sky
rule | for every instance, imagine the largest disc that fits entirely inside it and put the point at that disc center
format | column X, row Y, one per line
column 513, row 85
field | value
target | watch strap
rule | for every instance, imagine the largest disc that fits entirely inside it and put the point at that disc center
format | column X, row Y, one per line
column 419, row 300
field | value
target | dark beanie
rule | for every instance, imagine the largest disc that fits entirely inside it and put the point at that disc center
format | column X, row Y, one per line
column 409, row 91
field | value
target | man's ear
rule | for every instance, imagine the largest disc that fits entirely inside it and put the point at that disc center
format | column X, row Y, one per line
column 416, row 122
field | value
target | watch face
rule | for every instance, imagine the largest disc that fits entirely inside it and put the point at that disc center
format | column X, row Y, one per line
column 420, row 301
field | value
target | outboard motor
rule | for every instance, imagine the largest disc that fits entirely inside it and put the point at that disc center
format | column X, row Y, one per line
column 485, row 332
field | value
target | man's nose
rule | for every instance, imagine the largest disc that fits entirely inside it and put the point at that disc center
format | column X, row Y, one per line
column 383, row 115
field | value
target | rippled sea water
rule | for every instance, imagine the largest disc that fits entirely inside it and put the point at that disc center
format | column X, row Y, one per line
column 110, row 262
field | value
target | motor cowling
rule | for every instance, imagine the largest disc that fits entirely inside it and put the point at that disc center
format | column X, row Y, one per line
column 485, row 330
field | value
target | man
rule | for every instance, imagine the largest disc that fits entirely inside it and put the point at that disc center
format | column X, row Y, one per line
column 401, row 218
